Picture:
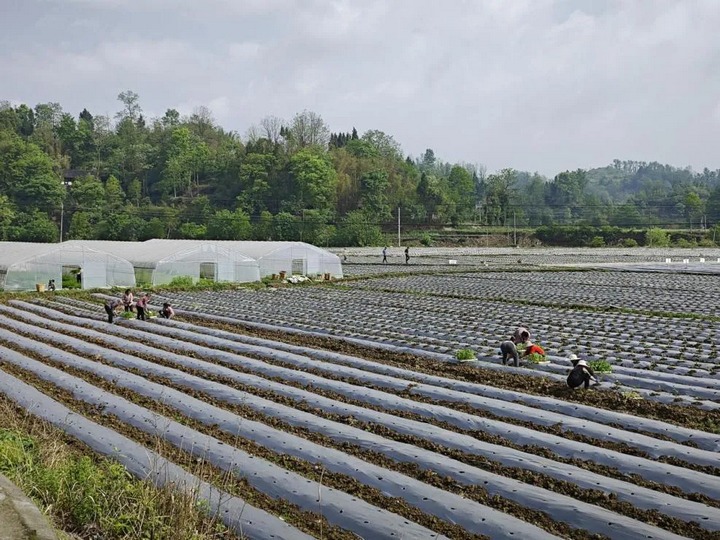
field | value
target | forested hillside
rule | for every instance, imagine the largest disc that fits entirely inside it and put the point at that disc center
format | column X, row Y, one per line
column 134, row 178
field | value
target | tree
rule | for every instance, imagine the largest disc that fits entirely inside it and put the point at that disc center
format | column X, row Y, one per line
column 308, row 129
column 384, row 144
column 314, row 227
column 114, row 195
column 462, row 192
column 7, row 215
column 357, row 230
column 566, row 192
column 430, row 195
column 428, row 160
column 170, row 119
column 88, row 193
column 25, row 120
column 227, row 225
column 263, row 229
column 499, row 190
column 120, row 226
column 272, row 126
column 134, row 191
column 315, row 179
column 131, row 106
column 285, row 227
column 202, row 121
column 254, row 177
column 373, row 195
column 694, row 205
column 192, row 231
column 84, row 225
column 27, row 176
column 34, row 226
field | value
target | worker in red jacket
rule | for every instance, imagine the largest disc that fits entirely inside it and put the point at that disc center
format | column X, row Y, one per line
column 531, row 348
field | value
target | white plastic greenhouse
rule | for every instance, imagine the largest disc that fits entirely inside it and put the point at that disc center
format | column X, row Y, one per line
column 294, row 258
column 25, row 265
column 159, row 261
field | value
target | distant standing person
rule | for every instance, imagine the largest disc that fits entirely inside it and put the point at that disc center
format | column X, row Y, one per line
column 110, row 306
column 407, row 255
column 141, row 306
column 385, row 254
column 128, row 300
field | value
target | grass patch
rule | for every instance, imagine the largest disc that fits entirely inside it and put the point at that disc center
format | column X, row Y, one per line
column 89, row 496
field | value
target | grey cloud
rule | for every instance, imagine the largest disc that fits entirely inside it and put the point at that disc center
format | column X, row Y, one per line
column 533, row 84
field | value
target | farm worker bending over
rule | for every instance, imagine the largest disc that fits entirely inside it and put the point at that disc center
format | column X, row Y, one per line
column 581, row 374
column 110, row 306
column 509, row 350
column 521, row 335
column 167, row 311
column 141, row 306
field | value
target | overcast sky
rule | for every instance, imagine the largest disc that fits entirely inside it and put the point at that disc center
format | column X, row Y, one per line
column 538, row 85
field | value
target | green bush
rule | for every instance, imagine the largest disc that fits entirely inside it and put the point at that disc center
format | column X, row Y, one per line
column 597, row 241
column 465, row 354
column 684, row 243
column 426, row 240
column 657, row 238
column 629, row 242
column 182, row 281
column 69, row 281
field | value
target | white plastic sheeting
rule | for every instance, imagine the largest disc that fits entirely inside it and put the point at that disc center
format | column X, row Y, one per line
column 23, row 265
column 581, row 515
column 703, row 440
column 290, row 257
column 337, row 507
column 142, row 462
column 637, row 384
column 160, row 261
column 453, row 508
column 686, row 479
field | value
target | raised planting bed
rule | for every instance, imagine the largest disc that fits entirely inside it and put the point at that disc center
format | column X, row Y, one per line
column 436, row 453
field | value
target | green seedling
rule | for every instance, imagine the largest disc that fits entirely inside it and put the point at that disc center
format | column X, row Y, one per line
column 465, row 355
column 535, row 358
column 600, row 366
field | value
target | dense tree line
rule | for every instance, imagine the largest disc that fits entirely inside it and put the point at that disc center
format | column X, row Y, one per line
column 131, row 178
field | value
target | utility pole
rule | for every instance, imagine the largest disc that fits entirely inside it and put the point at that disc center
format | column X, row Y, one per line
column 514, row 230
column 62, row 217
column 399, row 227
